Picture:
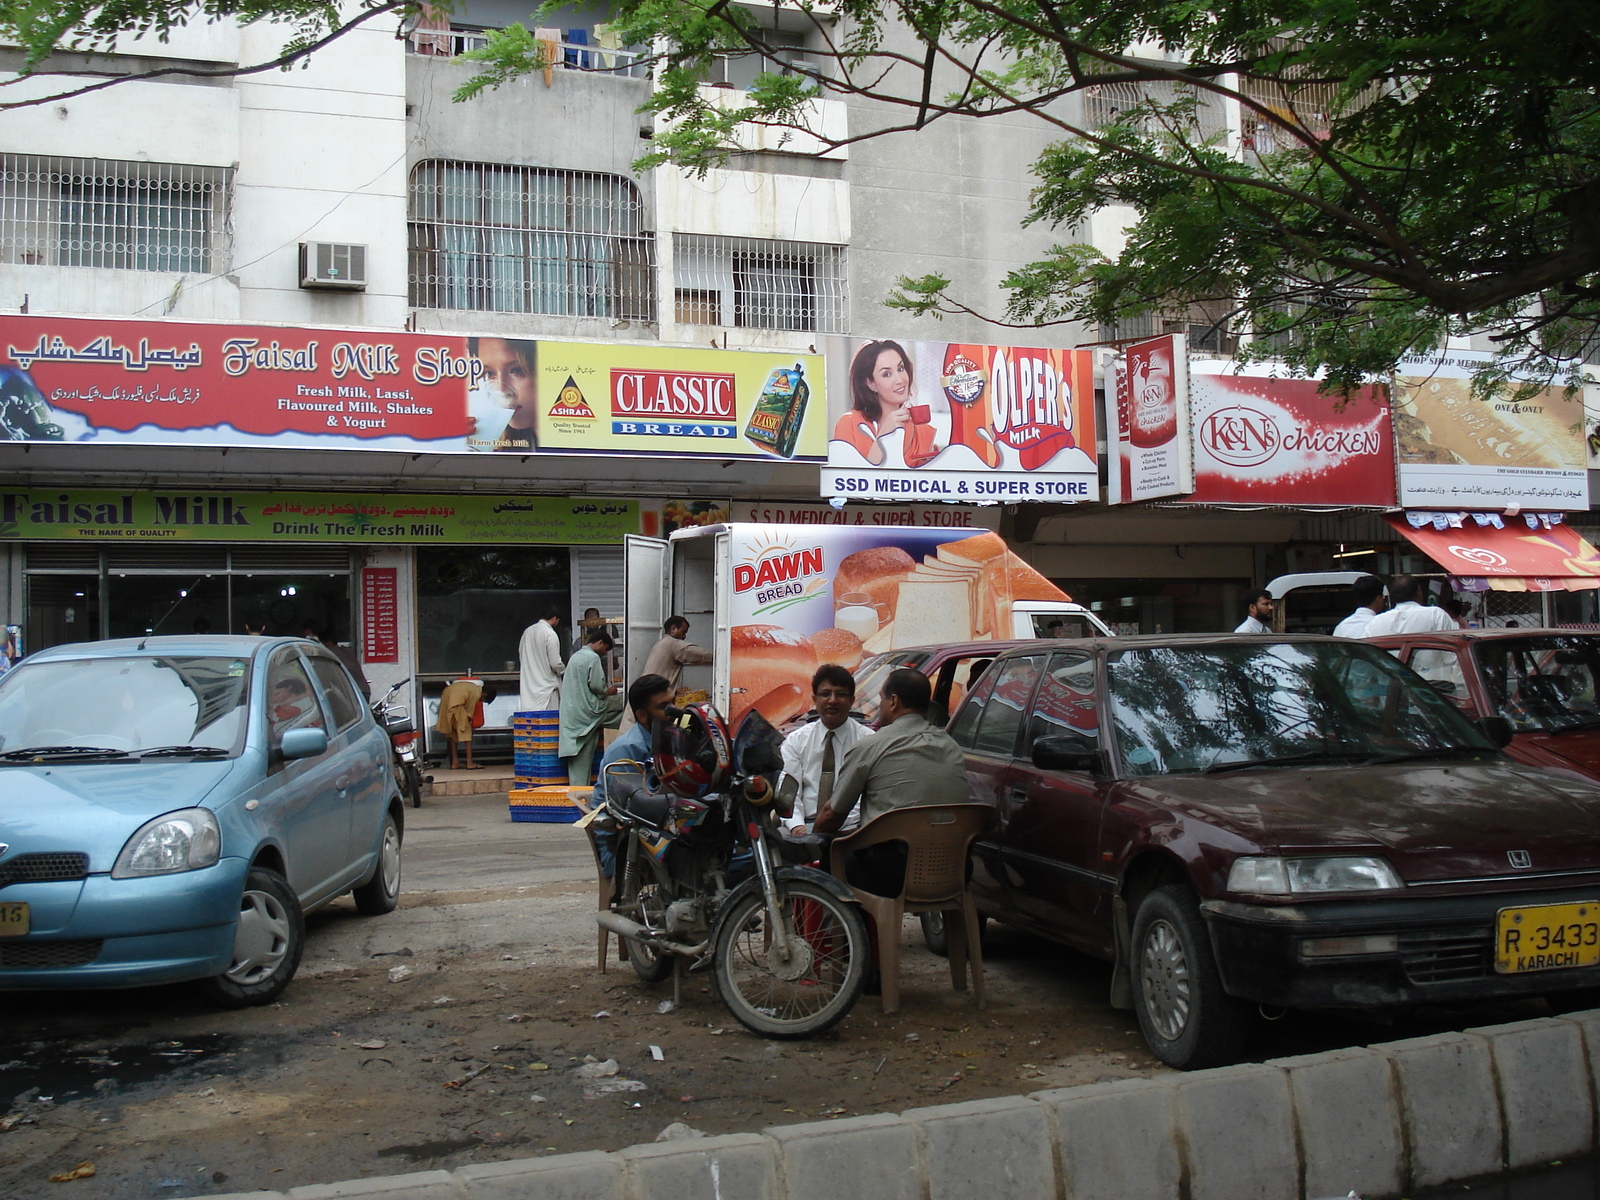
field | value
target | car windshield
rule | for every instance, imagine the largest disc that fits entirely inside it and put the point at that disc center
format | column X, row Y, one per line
column 126, row 704
column 1544, row 684
column 1220, row 707
column 871, row 674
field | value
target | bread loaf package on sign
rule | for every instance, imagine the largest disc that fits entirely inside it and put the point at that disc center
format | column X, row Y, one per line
column 933, row 611
column 934, row 569
column 763, row 659
column 986, row 552
column 877, row 571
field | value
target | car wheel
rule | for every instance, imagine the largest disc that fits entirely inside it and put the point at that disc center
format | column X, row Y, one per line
column 267, row 943
column 1187, row 1019
column 933, row 935
column 1577, row 1000
column 381, row 893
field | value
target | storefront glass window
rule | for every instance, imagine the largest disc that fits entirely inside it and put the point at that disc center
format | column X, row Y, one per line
column 473, row 604
column 62, row 608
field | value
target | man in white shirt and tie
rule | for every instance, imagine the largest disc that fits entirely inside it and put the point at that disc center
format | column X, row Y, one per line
column 812, row 754
column 1258, row 613
column 1407, row 616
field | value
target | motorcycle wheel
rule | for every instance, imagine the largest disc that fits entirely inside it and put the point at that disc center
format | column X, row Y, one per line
column 817, row 987
column 649, row 962
column 411, row 781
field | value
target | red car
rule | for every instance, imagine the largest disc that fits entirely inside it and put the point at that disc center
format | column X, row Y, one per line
column 1541, row 680
column 952, row 668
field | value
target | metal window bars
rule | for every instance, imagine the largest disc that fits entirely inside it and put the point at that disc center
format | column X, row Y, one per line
column 1104, row 103
column 449, row 41
column 500, row 238
column 128, row 216
column 752, row 283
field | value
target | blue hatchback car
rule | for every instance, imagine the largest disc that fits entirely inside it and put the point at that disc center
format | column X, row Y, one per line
column 171, row 807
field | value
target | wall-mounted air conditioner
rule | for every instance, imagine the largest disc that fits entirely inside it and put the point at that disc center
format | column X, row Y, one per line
column 333, row 265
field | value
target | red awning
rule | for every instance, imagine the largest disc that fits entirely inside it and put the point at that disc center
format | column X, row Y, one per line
column 1513, row 559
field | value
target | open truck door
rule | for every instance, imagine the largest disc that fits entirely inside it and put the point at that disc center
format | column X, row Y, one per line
column 647, row 594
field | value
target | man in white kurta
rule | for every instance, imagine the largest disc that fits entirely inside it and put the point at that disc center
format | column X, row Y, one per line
column 540, row 654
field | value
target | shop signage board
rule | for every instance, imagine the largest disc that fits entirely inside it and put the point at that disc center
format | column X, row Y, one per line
column 1261, row 438
column 130, row 516
column 1151, row 447
column 1460, row 450
column 380, row 630
column 191, row 383
column 959, row 422
column 883, row 516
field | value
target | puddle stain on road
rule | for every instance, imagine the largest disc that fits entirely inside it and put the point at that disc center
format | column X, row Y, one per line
column 62, row 1070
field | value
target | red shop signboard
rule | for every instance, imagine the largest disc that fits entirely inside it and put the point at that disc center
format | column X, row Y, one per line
column 1261, row 440
column 380, row 630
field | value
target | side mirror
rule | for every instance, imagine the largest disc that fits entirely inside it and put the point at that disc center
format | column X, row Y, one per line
column 303, row 743
column 1065, row 752
column 1497, row 729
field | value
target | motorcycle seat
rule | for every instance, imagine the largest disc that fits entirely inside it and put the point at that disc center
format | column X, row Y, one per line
column 649, row 807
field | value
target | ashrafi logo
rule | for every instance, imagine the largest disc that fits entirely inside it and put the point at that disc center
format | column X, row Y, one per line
column 570, row 403
column 1240, row 436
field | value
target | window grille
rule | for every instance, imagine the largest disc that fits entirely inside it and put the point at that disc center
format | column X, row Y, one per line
column 1104, row 103
column 750, row 283
column 529, row 239
column 127, row 216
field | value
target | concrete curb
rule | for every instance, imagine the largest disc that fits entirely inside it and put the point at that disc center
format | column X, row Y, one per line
column 1381, row 1120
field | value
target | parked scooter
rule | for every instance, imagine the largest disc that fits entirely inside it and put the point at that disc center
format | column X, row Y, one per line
column 703, row 879
column 397, row 723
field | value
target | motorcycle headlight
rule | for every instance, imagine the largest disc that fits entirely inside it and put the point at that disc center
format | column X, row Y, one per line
column 186, row 840
column 1335, row 873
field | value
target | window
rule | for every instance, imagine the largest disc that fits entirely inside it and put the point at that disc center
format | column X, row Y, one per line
column 966, row 722
column 529, row 239
column 343, row 702
column 291, row 704
column 1002, row 715
column 749, row 283
column 126, row 216
column 1066, row 703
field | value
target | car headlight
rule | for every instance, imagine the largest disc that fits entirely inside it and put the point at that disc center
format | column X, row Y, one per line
column 1285, row 876
column 185, row 840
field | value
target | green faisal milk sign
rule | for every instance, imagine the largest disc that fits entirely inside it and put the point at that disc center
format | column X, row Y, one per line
column 155, row 516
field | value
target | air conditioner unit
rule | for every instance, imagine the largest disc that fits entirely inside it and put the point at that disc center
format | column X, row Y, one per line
column 333, row 265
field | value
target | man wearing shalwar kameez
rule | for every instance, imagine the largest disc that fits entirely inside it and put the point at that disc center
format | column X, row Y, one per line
column 589, row 703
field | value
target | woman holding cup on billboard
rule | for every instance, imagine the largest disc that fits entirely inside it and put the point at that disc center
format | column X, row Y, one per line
column 882, row 395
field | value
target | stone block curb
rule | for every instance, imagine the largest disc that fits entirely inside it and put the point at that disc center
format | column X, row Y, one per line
column 1379, row 1120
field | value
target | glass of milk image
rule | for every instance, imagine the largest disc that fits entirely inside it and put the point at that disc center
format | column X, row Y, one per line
column 858, row 613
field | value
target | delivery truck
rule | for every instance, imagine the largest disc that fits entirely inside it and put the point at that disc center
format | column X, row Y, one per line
column 772, row 602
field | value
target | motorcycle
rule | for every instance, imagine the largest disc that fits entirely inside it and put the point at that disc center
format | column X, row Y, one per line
column 397, row 723
column 702, row 879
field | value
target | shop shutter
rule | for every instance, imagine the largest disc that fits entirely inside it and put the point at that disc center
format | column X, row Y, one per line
column 290, row 560
column 164, row 559
column 61, row 558
column 597, row 581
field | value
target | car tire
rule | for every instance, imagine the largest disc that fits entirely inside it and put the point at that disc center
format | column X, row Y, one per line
column 381, row 893
column 933, row 935
column 268, row 942
column 1188, row 1021
column 1577, row 1000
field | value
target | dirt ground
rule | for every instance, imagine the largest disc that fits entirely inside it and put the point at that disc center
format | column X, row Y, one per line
column 479, row 1052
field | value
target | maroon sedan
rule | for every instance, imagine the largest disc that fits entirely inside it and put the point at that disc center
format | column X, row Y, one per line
column 1541, row 680
column 1290, row 821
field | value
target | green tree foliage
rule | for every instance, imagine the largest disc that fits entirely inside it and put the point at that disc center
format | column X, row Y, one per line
column 1415, row 169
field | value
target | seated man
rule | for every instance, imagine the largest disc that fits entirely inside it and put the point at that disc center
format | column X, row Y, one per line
column 647, row 700
column 812, row 753
column 908, row 761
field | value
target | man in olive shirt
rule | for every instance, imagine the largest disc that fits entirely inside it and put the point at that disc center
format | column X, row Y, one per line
column 907, row 762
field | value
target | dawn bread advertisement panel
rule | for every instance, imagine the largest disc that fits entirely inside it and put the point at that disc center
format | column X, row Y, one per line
column 959, row 422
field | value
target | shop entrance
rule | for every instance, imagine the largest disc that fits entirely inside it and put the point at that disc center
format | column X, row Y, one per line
column 81, row 594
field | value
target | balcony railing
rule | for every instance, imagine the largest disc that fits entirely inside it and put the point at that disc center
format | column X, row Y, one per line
column 574, row 56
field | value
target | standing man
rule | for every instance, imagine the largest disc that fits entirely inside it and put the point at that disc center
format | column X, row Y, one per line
column 541, row 662
column 668, row 656
column 1259, row 609
column 812, row 753
column 1368, row 595
column 647, row 701
column 589, row 702
column 908, row 761
column 1407, row 616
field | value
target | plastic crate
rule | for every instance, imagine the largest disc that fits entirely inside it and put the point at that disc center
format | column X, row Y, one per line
column 541, row 814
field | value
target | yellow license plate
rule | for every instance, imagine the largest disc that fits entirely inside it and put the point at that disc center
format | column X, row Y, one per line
column 1546, row 937
column 13, row 919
